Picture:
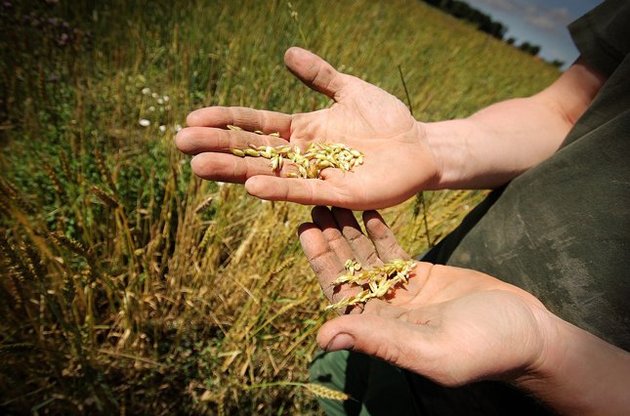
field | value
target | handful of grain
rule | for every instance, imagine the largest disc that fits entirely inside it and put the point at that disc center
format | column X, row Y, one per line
column 317, row 157
column 376, row 282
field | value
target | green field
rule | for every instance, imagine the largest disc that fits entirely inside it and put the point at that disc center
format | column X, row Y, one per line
column 127, row 286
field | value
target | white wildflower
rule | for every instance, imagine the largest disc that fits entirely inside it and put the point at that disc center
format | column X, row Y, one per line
column 146, row 91
column 162, row 128
column 144, row 122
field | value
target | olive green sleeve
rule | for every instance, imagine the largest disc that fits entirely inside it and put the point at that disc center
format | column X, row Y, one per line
column 603, row 35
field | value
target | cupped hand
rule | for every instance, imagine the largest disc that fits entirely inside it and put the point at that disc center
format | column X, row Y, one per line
column 449, row 324
column 397, row 160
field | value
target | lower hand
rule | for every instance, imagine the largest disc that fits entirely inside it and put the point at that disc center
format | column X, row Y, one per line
column 449, row 324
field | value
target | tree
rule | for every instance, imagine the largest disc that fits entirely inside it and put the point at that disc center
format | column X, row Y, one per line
column 529, row 48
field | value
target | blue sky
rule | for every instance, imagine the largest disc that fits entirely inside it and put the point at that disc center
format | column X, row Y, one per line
column 541, row 22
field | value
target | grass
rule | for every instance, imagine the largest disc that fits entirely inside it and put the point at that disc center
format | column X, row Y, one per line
column 127, row 285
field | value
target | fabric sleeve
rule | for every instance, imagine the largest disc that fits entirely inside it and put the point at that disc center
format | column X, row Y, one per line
column 603, row 35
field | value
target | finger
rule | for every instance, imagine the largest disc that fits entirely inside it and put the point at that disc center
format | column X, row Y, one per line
column 324, row 219
column 320, row 256
column 362, row 247
column 246, row 118
column 301, row 191
column 323, row 261
column 315, row 72
column 383, row 238
column 193, row 140
column 229, row 168
column 394, row 341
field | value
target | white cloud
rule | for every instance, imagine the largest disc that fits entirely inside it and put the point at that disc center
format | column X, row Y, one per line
column 549, row 19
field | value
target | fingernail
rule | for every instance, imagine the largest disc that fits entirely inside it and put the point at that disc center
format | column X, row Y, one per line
column 340, row 341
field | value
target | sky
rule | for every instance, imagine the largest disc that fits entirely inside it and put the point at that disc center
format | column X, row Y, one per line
column 539, row 22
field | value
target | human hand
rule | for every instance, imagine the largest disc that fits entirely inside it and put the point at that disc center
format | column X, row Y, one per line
column 397, row 160
column 449, row 324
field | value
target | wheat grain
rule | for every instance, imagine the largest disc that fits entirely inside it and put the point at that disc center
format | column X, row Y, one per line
column 317, row 157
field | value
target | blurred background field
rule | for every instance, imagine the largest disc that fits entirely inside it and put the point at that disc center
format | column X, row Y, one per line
column 127, row 286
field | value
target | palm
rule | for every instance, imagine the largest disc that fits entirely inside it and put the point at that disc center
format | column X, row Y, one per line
column 457, row 316
column 362, row 112
column 377, row 123
column 450, row 324
column 397, row 161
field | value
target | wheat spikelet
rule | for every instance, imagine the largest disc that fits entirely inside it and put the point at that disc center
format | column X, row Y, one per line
column 65, row 165
column 12, row 258
column 204, row 205
column 34, row 261
column 207, row 235
column 68, row 289
column 20, row 263
column 108, row 199
column 8, row 189
column 376, row 282
column 104, row 170
column 70, row 243
column 16, row 347
column 13, row 284
column 10, row 194
column 324, row 392
column 54, row 179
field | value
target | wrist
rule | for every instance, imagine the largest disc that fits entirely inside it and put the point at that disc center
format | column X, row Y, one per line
column 448, row 143
column 577, row 372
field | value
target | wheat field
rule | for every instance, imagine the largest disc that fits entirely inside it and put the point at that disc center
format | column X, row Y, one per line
column 128, row 286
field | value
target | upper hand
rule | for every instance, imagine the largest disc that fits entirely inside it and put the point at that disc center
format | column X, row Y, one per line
column 449, row 324
column 397, row 161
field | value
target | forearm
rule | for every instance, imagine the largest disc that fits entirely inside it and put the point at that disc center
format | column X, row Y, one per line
column 494, row 145
column 580, row 374
column 498, row 143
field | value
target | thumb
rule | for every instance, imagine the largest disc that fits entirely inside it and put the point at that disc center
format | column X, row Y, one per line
column 314, row 71
column 373, row 335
